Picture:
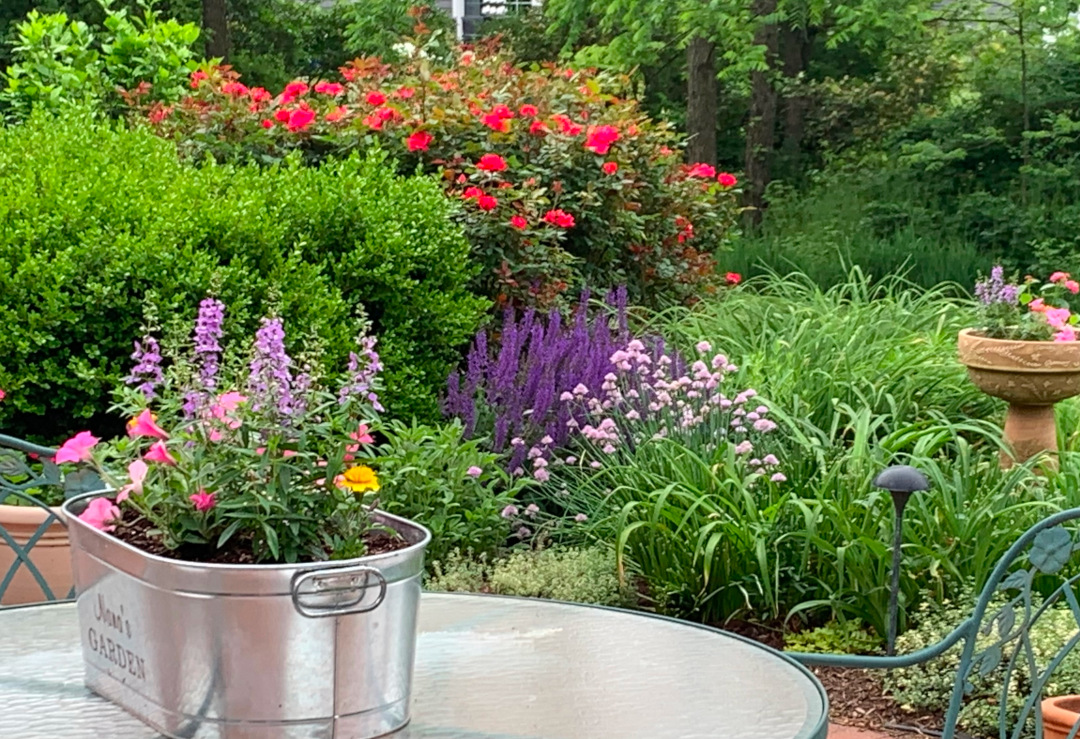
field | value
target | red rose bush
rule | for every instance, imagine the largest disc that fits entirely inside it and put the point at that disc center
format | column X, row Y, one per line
column 563, row 181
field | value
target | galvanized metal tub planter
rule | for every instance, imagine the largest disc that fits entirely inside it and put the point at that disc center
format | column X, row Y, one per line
column 208, row 651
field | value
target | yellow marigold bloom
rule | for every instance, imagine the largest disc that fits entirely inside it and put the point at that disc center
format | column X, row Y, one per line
column 359, row 479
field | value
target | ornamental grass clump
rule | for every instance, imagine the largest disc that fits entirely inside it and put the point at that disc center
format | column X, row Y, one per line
column 1029, row 311
column 242, row 457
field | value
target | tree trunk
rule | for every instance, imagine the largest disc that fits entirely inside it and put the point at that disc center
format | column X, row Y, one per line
column 701, row 104
column 796, row 45
column 215, row 23
column 761, row 126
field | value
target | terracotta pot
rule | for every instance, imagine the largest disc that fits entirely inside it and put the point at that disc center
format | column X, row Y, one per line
column 1060, row 715
column 1031, row 376
column 51, row 554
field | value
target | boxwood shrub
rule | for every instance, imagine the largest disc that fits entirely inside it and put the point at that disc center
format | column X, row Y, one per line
column 96, row 221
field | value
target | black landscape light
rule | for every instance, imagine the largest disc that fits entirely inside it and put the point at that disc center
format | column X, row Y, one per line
column 901, row 481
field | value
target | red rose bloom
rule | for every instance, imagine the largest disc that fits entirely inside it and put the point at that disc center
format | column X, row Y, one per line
column 292, row 91
column 419, row 141
column 267, row 123
column 300, row 119
column 197, row 77
column 373, row 122
column 566, row 125
column 329, row 88
column 733, row 278
column 519, row 222
column 491, row 163
column 601, row 138
column 610, row 167
column 487, row 202
column 236, row 89
column 560, row 218
column 282, row 115
column 529, row 110
column 404, row 93
column 496, row 122
column 375, row 98
column 337, row 113
column 538, row 128
column 727, row 180
column 258, row 94
column 472, row 192
column 701, row 170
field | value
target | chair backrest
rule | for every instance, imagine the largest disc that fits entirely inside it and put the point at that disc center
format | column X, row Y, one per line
column 28, row 467
column 1037, row 576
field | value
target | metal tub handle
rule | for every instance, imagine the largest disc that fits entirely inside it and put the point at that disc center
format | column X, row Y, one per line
column 336, row 591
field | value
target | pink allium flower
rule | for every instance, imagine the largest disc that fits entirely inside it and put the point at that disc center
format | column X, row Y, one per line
column 541, row 475
column 77, row 448
column 581, row 390
column 158, row 453
column 764, row 425
column 778, row 477
column 771, row 460
column 703, row 347
column 523, row 532
column 510, row 511
column 100, row 513
column 144, row 425
column 581, row 518
column 531, row 510
column 595, row 464
column 744, row 447
column 474, row 471
column 137, row 474
column 565, row 397
column 203, row 500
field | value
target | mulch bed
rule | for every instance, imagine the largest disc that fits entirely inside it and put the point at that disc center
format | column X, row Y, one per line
column 856, row 697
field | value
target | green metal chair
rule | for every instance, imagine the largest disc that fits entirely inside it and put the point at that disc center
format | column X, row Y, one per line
column 24, row 467
column 1035, row 575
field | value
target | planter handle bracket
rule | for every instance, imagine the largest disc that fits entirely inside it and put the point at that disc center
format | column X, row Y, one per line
column 336, row 591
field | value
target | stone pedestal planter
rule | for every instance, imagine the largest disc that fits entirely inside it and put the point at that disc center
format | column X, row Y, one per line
column 264, row 651
column 1031, row 376
column 50, row 555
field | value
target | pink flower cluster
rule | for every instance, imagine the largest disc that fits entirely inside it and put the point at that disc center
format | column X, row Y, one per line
column 652, row 395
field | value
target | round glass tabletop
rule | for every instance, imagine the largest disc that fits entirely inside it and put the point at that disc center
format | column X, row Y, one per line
column 486, row 668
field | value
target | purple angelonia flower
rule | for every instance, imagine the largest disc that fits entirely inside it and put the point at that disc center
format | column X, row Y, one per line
column 146, row 375
column 270, row 382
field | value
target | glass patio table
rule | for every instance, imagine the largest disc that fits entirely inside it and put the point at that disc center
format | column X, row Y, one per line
column 486, row 668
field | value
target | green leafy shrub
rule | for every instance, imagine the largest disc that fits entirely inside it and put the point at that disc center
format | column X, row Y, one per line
column 61, row 62
column 563, row 180
column 835, row 637
column 453, row 487
column 576, row 575
column 929, row 686
column 95, row 219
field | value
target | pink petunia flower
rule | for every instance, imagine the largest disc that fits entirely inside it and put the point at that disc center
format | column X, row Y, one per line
column 77, row 448
column 144, row 425
column 158, row 453
column 137, row 474
column 101, row 513
column 203, row 500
